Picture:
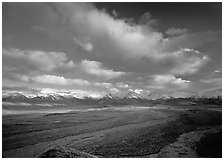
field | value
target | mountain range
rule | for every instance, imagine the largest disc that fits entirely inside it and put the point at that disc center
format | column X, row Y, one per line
column 130, row 97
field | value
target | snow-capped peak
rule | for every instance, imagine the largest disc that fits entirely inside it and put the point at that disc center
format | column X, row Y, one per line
column 132, row 94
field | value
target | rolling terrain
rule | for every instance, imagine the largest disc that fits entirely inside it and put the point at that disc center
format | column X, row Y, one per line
column 110, row 127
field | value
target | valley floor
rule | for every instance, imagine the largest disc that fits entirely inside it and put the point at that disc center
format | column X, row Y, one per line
column 128, row 131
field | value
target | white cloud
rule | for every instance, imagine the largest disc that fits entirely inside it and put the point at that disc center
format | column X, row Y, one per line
column 20, row 77
column 137, row 47
column 176, row 31
column 118, row 38
column 114, row 13
column 85, row 44
column 53, row 61
column 79, row 81
column 212, row 80
column 146, row 19
column 169, row 81
column 122, row 38
column 37, row 59
column 51, row 79
column 109, row 86
column 122, row 85
column 103, row 84
column 189, row 50
column 95, row 68
column 113, row 39
column 49, row 61
column 62, row 81
column 188, row 61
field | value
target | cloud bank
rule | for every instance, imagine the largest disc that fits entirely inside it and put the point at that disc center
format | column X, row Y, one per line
column 79, row 44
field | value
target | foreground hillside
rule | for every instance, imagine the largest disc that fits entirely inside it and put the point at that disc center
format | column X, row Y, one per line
column 116, row 131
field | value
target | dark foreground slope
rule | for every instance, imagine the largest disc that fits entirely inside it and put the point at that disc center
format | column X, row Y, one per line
column 115, row 132
column 64, row 152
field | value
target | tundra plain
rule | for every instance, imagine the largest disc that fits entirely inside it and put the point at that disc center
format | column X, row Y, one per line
column 161, row 130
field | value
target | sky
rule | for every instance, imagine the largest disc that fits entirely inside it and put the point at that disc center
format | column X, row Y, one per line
column 112, row 47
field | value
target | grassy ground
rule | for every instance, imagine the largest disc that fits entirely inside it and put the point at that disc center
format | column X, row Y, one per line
column 105, row 133
column 150, row 140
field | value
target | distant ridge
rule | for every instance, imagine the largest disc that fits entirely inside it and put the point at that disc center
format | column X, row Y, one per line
column 128, row 98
